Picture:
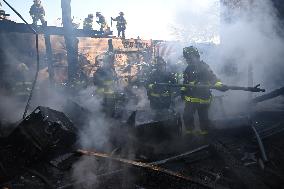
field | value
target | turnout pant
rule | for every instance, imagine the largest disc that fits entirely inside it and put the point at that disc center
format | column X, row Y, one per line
column 41, row 18
column 188, row 115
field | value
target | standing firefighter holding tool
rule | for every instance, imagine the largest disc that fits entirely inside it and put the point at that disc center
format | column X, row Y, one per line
column 37, row 13
column 197, row 99
column 198, row 80
column 120, row 24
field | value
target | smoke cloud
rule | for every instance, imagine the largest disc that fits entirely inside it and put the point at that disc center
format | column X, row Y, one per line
column 251, row 48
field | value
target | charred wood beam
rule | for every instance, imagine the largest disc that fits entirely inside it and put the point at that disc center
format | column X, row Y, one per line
column 10, row 27
column 49, row 58
column 101, row 176
column 270, row 95
column 260, row 144
column 70, row 40
column 246, row 177
column 2, row 65
column 48, row 183
column 146, row 166
column 270, row 131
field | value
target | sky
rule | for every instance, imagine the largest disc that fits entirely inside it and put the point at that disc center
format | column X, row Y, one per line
column 149, row 19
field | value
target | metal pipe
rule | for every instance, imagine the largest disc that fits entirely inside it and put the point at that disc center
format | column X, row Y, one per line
column 260, row 144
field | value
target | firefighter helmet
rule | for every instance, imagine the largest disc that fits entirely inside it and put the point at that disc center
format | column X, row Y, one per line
column 189, row 52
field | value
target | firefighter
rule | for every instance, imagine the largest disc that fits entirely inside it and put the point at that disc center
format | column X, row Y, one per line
column 101, row 21
column 197, row 99
column 121, row 24
column 104, row 79
column 160, row 97
column 88, row 22
column 37, row 13
column 2, row 12
column 22, row 85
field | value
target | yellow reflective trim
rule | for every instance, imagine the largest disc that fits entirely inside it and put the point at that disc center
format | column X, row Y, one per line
column 219, row 84
column 109, row 92
column 108, row 82
column 22, row 93
column 197, row 132
column 202, row 132
column 104, row 91
column 189, row 131
column 166, row 94
column 151, row 86
column 23, row 83
column 100, row 90
column 155, row 95
column 197, row 100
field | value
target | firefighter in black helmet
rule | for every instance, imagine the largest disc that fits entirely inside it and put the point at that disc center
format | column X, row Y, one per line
column 105, row 80
column 88, row 22
column 160, row 97
column 120, row 24
column 197, row 99
column 37, row 13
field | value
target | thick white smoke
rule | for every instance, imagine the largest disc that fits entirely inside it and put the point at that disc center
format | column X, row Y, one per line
column 197, row 21
column 251, row 48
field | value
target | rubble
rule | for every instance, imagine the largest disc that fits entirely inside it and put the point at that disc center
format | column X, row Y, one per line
column 40, row 136
column 270, row 95
column 214, row 165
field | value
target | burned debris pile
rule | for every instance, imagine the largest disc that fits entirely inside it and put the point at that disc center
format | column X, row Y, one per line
column 43, row 151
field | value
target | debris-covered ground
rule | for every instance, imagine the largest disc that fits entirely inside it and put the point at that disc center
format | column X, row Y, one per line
column 43, row 152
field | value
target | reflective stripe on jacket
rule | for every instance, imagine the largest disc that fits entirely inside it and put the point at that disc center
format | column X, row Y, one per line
column 197, row 100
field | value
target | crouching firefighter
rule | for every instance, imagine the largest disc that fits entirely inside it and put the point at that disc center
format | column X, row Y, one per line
column 105, row 79
column 160, row 97
column 197, row 99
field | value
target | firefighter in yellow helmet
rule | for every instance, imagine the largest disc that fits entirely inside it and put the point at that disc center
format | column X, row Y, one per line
column 197, row 99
